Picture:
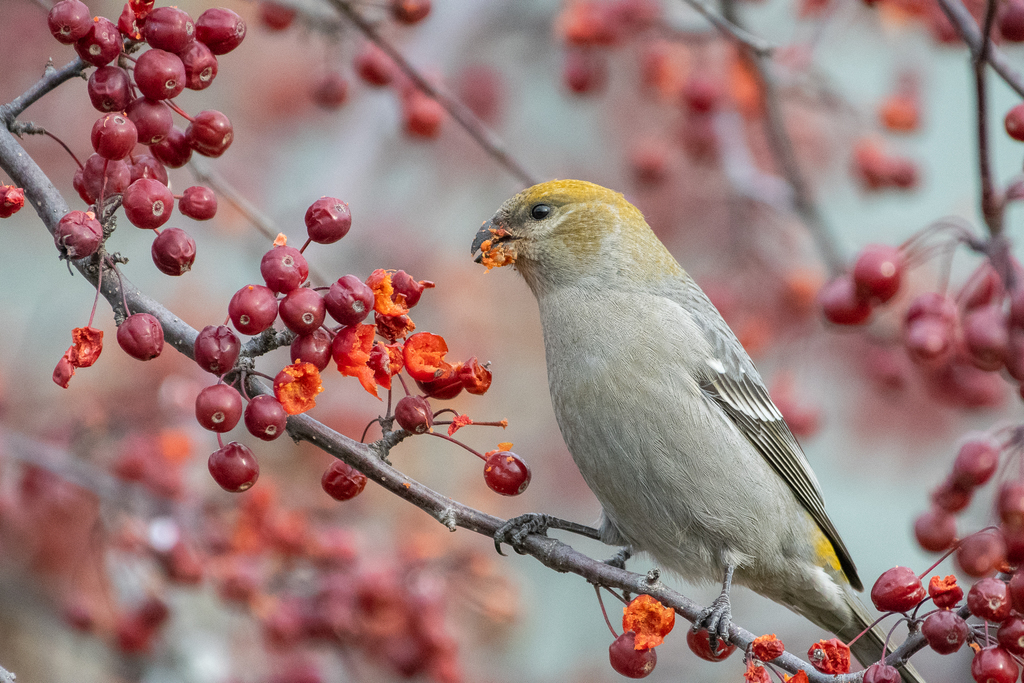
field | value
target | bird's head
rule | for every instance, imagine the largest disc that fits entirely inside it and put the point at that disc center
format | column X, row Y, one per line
column 565, row 232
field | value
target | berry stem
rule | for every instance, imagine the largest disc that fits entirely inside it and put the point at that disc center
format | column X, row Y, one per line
column 179, row 110
column 458, row 443
column 604, row 612
column 306, row 244
column 96, row 300
column 404, row 385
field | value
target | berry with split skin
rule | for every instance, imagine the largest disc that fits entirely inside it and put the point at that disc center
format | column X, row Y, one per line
column 627, row 660
column 284, row 268
column 78, row 235
column 349, row 300
column 234, row 467
column 109, row 89
column 69, row 20
column 159, row 74
column 209, row 133
column 220, row 29
column 945, row 631
column 141, row 336
column 699, row 642
column 302, row 310
column 174, row 252
column 153, row 121
column 877, row 272
column 506, row 473
column 216, row 349
column 994, row 665
column 989, row 599
column 114, row 136
column 198, row 203
column 219, row 407
column 343, row 482
column 313, row 348
column 328, row 220
column 414, row 415
column 897, row 590
column 148, row 166
column 101, row 44
column 842, row 304
column 265, row 417
column 200, row 66
column 148, row 203
column 252, row 309
column 173, row 150
column 170, row 29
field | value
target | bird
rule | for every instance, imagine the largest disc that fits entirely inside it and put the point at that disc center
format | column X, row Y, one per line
column 666, row 417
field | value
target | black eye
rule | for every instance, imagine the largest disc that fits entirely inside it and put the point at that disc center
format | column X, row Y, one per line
column 540, row 211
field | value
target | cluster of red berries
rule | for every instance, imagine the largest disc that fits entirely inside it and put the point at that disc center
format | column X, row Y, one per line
column 899, row 590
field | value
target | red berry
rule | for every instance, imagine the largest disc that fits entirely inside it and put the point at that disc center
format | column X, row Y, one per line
column 152, row 120
column 928, row 336
column 950, row 497
column 349, row 300
column 69, row 20
column 101, row 45
column 78, row 235
column 220, row 29
column 841, row 304
column 1010, row 503
column 1014, row 122
column 313, row 348
column 129, row 23
column 105, row 176
column 174, row 252
column 443, row 388
column 328, row 220
column 877, row 272
column 584, row 71
column 506, row 473
column 986, row 337
column 945, row 631
column 284, row 268
column 700, row 644
column 897, row 590
column 170, row 29
column 422, row 115
column 173, row 150
column 1016, row 587
column 1011, row 21
column 976, row 461
column 148, row 203
column 252, row 309
column 302, row 310
column 114, row 136
column 881, row 673
column 627, row 660
column 265, row 417
column 1011, row 636
column 410, row 11
column 342, row 482
column 209, row 133
column 141, row 336
column 216, row 349
column 994, row 665
column 148, row 166
column 109, row 88
column 330, row 90
column 413, row 414
column 159, row 74
column 935, row 530
column 701, row 95
column 1013, row 538
column 979, row 554
column 219, row 407
column 989, row 599
column 200, row 66
column 374, row 66
column 198, row 203
column 11, row 200
column 234, row 467
column 276, row 17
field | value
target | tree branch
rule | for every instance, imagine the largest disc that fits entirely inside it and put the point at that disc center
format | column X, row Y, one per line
column 729, row 29
column 968, row 29
column 52, row 77
column 991, row 199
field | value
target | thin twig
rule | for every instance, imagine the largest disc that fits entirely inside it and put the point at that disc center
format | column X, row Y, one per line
column 991, row 201
column 968, row 29
column 486, row 138
column 758, row 46
column 52, row 77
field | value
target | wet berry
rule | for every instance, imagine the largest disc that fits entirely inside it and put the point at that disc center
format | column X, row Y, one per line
column 627, row 660
column 109, row 89
column 219, row 407
column 216, row 349
column 174, row 251
column 252, row 309
column 148, row 203
column 302, row 310
column 897, row 590
column 328, row 220
column 413, row 414
column 198, row 203
column 265, row 417
column 342, row 482
column 506, row 473
column 234, row 467
column 141, row 337
column 945, row 631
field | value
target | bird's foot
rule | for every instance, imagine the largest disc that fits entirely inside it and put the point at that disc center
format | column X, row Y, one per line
column 618, row 560
column 515, row 530
column 717, row 618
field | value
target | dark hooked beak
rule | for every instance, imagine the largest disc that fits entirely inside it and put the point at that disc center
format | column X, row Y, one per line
column 488, row 231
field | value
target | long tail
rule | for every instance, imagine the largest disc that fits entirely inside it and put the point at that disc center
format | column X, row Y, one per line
column 868, row 648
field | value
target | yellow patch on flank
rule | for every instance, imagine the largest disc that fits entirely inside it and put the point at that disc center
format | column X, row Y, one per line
column 824, row 552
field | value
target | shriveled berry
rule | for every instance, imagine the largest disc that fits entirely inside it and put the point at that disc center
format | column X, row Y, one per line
column 986, row 337
column 152, row 120
column 877, row 272
column 410, row 11
column 1011, row 636
column 114, row 136
column 101, row 44
column 209, row 133
column 1014, row 122
column 881, row 673
column 109, row 88
column 173, row 150
column 265, row 417
column 313, row 348
column 159, row 74
column 374, row 66
column 11, row 200
column 976, row 461
column 141, row 336
column 443, row 388
column 174, row 252
column 219, row 407
column 343, row 482
column 198, row 203
column 330, row 90
column 103, row 176
column 349, row 300
column 148, row 166
column 994, row 665
column 506, row 473
column 413, row 414
column 200, row 66
column 935, row 530
column 129, row 23
column 841, row 304
column 69, row 20
column 627, row 660
column 328, row 220
column 979, row 554
column 170, row 29
column 945, row 631
column 897, row 590
column 302, row 310
column 252, row 309
column 284, row 268
column 216, row 349
column 78, row 235
column 989, row 599
column 148, row 203
column 411, row 289
column 220, row 29
column 234, row 467
column 699, row 642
